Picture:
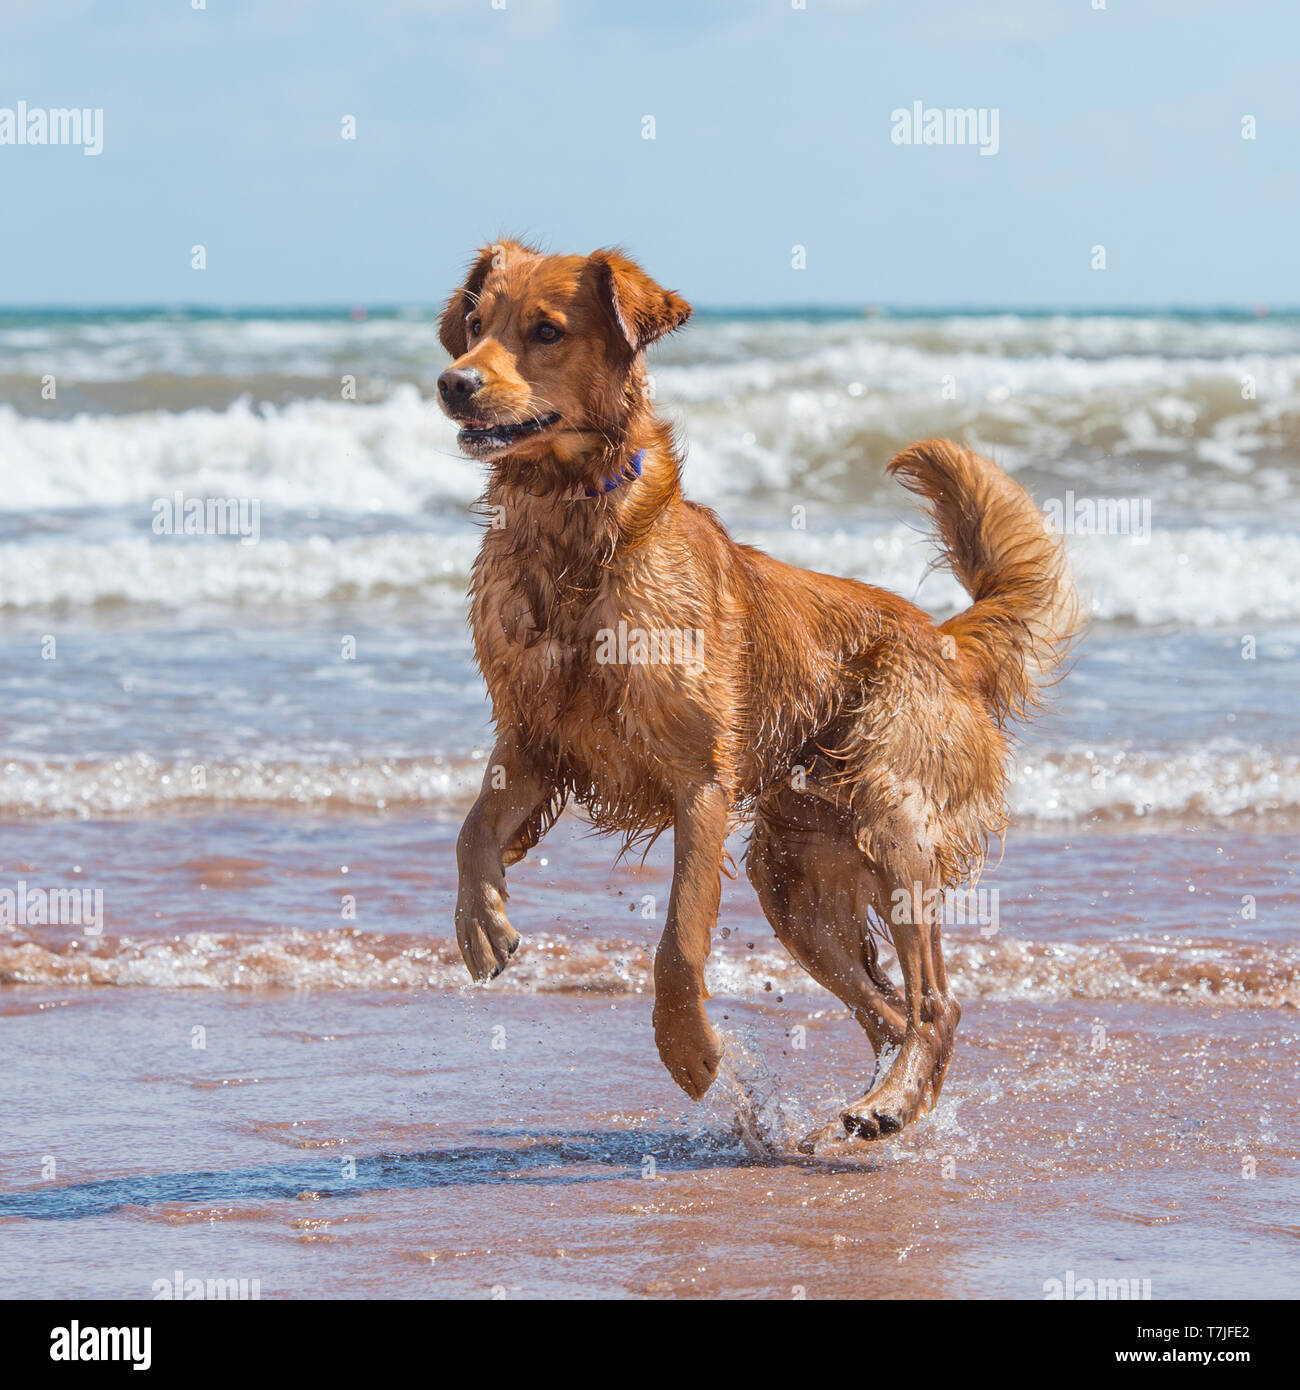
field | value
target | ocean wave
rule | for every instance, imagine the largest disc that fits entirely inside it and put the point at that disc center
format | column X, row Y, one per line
column 1199, row 577
column 1196, row 971
column 1174, row 337
column 139, row 784
column 1116, row 785
column 175, row 573
column 1102, row 786
column 123, row 347
column 397, row 457
column 118, row 347
column 829, row 421
column 819, row 425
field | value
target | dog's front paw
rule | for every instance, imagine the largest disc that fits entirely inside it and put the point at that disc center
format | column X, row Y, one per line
column 689, row 1047
column 484, row 934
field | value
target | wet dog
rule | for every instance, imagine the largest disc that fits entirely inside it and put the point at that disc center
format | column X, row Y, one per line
column 648, row 668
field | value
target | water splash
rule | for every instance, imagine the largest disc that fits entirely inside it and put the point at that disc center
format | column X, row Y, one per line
column 759, row 1117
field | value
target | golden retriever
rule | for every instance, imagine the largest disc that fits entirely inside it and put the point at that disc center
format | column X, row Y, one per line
column 645, row 666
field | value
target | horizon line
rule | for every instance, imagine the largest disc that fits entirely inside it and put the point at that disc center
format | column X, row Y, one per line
column 1260, row 309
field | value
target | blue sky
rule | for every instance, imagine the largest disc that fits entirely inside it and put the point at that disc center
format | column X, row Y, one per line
column 1119, row 127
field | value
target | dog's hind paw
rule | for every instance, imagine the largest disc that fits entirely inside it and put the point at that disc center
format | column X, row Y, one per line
column 886, row 1110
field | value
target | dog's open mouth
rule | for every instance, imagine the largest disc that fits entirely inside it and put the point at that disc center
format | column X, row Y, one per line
column 487, row 433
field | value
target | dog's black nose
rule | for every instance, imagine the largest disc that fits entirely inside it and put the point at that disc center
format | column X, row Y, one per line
column 459, row 384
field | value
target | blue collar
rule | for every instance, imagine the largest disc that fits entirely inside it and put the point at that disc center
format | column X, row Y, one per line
column 634, row 463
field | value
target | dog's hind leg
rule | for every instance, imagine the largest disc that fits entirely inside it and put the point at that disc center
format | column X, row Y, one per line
column 903, row 845
column 817, row 890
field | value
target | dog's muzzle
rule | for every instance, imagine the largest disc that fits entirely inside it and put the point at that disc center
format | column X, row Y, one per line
column 477, row 434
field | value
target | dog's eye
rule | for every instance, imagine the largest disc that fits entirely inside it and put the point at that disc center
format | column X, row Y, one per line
column 547, row 333
column 475, row 328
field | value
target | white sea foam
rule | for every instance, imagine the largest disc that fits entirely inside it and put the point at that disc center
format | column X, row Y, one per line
column 1124, row 784
column 396, row 457
column 139, row 784
column 1197, row 577
column 1191, row 971
column 176, row 574
column 809, row 409
column 1049, row 786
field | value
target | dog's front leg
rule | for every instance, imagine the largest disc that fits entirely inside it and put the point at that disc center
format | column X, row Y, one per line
column 687, row 1043
column 496, row 833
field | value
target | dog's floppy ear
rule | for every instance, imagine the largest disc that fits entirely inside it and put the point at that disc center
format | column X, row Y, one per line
column 451, row 327
column 641, row 311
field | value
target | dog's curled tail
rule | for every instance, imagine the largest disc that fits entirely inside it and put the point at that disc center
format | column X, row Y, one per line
column 1025, row 613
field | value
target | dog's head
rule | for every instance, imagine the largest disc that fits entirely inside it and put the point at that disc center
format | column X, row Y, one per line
column 547, row 349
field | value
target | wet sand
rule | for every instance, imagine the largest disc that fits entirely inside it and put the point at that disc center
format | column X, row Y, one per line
column 563, row 1164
